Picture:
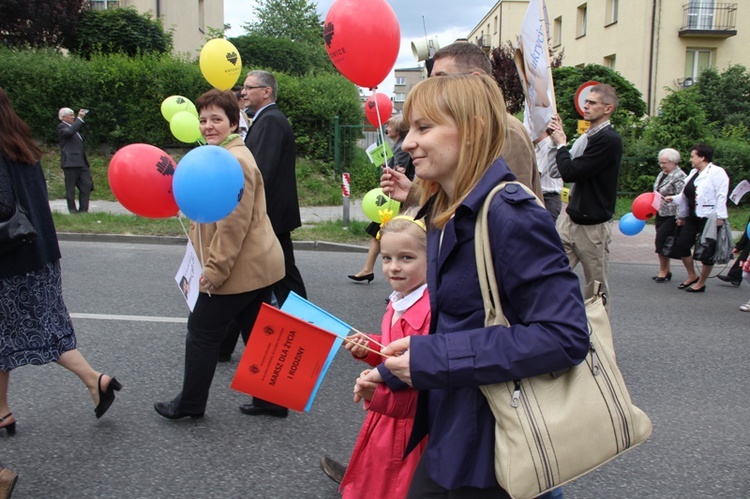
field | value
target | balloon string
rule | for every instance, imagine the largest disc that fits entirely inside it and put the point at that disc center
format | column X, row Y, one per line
column 380, row 132
column 200, row 245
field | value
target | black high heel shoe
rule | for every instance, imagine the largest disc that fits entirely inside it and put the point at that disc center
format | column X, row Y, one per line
column 359, row 278
column 10, row 428
column 684, row 285
column 106, row 398
column 667, row 277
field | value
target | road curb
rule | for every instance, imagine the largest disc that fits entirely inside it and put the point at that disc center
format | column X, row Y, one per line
column 137, row 239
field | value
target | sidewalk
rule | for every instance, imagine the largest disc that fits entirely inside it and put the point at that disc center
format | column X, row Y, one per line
column 624, row 249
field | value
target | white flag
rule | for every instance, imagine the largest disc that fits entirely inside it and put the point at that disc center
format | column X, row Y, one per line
column 535, row 72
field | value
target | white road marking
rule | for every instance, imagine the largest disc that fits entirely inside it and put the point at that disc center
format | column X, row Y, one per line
column 132, row 318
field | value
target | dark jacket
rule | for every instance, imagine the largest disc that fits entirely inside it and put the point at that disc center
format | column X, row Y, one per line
column 72, row 152
column 31, row 190
column 596, row 174
column 271, row 140
column 542, row 300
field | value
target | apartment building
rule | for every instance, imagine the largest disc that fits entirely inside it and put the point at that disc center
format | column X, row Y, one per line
column 406, row 78
column 501, row 24
column 655, row 44
column 189, row 20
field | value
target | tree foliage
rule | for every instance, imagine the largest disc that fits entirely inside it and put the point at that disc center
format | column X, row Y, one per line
column 277, row 54
column 26, row 23
column 725, row 97
column 296, row 20
column 291, row 20
column 504, row 71
column 115, row 31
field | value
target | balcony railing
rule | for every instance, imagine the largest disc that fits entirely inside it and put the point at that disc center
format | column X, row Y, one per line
column 104, row 4
column 709, row 19
column 484, row 41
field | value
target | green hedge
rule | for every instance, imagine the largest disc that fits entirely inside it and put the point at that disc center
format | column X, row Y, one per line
column 124, row 95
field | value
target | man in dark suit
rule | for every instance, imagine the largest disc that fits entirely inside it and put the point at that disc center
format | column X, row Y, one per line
column 73, row 160
column 271, row 140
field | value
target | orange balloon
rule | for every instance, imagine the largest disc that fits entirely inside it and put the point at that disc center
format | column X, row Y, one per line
column 362, row 39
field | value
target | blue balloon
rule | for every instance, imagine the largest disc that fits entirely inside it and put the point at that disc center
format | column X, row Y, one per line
column 208, row 184
column 629, row 225
column 748, row 230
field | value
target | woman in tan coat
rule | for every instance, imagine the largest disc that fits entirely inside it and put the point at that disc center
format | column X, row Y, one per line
column 243, row 259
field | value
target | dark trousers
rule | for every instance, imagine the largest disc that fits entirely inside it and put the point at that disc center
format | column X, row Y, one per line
column 422, row 486
column 207, row 326
column 292, row 281
column 78, row 178
column 735, row 272
column 553, row 203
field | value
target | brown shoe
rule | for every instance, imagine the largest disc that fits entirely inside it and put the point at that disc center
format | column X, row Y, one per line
column 334, row 470
column 8, row 481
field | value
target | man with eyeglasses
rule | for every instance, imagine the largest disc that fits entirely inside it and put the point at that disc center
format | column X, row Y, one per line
column 271, row 140
column 593, row 165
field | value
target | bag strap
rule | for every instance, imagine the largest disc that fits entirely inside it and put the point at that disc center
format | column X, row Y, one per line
column 493, row 311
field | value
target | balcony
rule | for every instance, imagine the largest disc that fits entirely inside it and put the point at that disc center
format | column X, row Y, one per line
column 104, row 4
column 708, row 19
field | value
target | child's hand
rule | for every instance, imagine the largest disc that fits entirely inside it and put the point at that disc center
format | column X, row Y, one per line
column 364, row 387
column 354, row 344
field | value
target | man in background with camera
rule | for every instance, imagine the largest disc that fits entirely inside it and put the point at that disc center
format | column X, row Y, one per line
column 73, row 160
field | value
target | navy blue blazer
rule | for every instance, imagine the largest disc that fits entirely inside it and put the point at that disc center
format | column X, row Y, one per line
column 542, row 300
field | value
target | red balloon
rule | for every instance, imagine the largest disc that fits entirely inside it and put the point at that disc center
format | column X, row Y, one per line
column 642, row 206
column 362, row 39
column 140, row 176
column 378, row 114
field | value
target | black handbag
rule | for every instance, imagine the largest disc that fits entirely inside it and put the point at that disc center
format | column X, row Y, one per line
column 17, row 231
column 705, row 252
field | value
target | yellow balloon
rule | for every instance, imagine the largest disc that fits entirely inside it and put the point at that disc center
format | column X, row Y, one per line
column 174, row 104
column 220, row 63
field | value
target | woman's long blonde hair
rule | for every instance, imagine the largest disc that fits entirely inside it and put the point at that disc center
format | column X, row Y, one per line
column 475, row 103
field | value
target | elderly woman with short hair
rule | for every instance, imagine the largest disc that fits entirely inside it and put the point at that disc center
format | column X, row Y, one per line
column 669, row 182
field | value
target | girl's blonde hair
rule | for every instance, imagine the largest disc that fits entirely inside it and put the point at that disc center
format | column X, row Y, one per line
column 475, row 103
column 405, row 223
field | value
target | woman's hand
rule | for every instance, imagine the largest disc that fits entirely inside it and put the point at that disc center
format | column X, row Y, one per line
column 366, row 384
column 395, row 184
column 207, row 285
column 719, row 222
column 399, row 363
column 354, row 344
column 667, row 199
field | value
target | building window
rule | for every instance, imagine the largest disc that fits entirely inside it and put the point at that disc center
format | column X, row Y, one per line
column 609, row 61
column 557, row 32
column 611, row 12
column 696, row 60
column 399, row 97
column 701, row 14
column 581, row 21
column 495, row 24
column 400, row 80
column 104, row 4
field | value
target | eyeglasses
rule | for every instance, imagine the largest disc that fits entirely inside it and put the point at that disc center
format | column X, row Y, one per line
column 591, row 102
column 250, row 87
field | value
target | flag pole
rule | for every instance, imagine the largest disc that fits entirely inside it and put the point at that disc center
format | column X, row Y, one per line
column 543, row 13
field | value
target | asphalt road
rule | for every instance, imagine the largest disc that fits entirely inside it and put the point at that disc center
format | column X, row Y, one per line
column 684, row 357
